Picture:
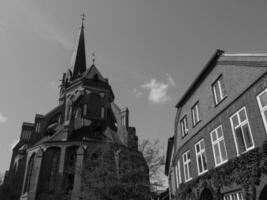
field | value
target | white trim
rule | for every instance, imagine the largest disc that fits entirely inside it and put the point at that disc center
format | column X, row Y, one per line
column 201, row 153
column 218, row 140
column 186, row 166
column 262, row 109
column 241, row 124
column 245, row 54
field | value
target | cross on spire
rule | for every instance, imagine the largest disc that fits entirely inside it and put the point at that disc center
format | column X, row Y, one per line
column 83, row 17
column 93, row 55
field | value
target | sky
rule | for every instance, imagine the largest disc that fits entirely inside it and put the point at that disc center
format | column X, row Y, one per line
column 150, row 50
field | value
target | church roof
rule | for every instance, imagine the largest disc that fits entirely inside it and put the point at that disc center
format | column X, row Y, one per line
column 80, row 56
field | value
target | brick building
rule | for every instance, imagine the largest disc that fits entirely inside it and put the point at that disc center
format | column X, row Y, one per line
column 83, row 147
column 219, row 149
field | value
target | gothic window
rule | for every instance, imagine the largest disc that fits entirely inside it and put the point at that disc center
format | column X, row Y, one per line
column 70, row 168
column 29, row 173
column 54, row 171
column 84, row 109
column 59, row 119
column 69, row 113
column 94, row 110
column 37, row 127
column 123, row 119
column 78, row 113
column 102, row 112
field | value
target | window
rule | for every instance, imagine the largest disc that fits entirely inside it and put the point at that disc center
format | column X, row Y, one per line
column 37, row 127
column 218, row 90
column 178, row 174
column 234, row 196
column 187, row 166
column 78, row 113
column 69, row 113
column 201, row 157
column 184, row 126
column 262, row 101
column 84, row 109
column 54, row 171
column 102, row 112
column 218, row 146
column 195, row 114
column 123, row 119
column 241, row 131
column 29, row 174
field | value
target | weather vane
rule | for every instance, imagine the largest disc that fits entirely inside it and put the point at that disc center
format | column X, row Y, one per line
column 93, row 55
column 83, row 17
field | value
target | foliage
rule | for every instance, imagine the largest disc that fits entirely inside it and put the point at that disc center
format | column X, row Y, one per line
column 245, row 170
column 153, row 154
column 114, row 173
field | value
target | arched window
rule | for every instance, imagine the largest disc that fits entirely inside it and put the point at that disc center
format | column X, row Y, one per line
column 68, row 113
column 84, row 109
column 70, row 164
column 102, row 112
column 29, row 173
column 59, row 120
column 54, row 171
column 78, row 113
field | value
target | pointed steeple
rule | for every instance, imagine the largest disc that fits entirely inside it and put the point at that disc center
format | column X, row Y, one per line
column 80, row 59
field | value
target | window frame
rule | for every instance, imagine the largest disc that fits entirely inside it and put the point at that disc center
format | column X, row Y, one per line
column 241, row 125
column 262, row 109
column 221, row 91
column 178, row 174
column 186, row 165
column 184, row 126
column 217, row 141
column 201, row 153
column 194, row 122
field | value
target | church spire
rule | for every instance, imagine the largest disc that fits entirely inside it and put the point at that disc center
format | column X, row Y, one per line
column 80, row 59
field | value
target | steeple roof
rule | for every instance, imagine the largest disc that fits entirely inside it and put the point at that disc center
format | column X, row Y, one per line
column 80, row 58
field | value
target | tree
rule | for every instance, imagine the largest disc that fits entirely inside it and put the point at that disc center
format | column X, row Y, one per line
column 115, row 173
column 153, row 154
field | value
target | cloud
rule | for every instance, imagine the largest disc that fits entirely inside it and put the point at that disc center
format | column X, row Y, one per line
column 157, row 90
column 3, row 119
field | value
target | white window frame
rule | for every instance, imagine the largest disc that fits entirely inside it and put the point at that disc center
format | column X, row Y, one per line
column 241, row 124
column 201, row 154
column 184, row 126
column 262, row 109
column 195, row 113
column 186, row 163
column 218, row 97
column 230, row 196
column 178, row 174
column 217, row 141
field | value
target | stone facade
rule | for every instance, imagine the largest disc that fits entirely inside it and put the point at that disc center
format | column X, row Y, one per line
column 221, row 156
column 52, row 159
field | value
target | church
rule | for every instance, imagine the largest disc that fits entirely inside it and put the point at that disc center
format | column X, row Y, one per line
column 84, row 148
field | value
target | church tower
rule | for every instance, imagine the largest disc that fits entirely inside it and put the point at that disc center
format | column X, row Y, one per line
column 52, row 157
